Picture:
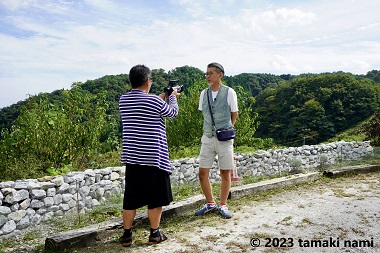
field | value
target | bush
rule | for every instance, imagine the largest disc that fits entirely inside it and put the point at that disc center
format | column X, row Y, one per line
column 47, row 135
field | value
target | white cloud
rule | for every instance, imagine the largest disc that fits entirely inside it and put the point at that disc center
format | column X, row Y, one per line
column 47, row 45
column 17, row 4
column 363, row 66
column 281, row 64
column 369, row 26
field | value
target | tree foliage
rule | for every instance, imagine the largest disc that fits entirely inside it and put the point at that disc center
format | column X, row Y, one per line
column 63, row 127
column 253, row 83
column 246, row 124
column 316, row 107
column 49, row 135
column 186, row 129
column 372, row 129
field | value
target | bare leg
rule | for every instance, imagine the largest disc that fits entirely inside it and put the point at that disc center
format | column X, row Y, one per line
column 154, row 216
column 225, row 186
column 205, row 184
column 128, row 217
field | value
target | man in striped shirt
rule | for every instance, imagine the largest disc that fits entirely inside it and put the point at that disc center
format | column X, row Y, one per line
column 145, row 152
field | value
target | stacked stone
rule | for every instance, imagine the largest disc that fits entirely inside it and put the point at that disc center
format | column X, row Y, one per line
column 291, row 159
column 272, row 162
column 30, row 201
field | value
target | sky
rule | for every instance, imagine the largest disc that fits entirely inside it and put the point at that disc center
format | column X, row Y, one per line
column 46, row 45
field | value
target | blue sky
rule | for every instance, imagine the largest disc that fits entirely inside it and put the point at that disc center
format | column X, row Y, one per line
column 47, row 45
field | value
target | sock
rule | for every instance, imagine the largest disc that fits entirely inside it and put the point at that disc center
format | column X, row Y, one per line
column 223, row 204
column 211, row 203
column 155, row 232
column 127, row 232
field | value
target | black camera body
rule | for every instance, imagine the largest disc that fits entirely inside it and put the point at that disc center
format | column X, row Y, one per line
column 173, row 85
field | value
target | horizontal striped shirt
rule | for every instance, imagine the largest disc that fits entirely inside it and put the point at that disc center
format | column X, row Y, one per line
column 144, row 130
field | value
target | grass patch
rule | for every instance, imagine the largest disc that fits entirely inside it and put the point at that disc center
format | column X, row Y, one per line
column 183, row 152
column 341, row 193
column 307, row 220
column 183, row 191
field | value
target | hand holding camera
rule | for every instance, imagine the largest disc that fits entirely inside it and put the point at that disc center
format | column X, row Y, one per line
column 174, row 88
column 176, row 93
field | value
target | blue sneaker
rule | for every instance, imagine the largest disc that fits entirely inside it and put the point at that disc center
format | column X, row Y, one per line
column 223, row 210
column 207, row 209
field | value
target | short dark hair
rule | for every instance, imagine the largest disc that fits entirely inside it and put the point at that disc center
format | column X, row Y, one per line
column 138, row 75
column 218, row 66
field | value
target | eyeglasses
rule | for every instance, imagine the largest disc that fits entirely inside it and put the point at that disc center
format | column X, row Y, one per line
column 209, row 73
column 151, row 79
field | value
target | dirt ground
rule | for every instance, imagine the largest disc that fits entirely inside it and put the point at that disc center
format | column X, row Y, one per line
column 330, row 215
column 338, row 215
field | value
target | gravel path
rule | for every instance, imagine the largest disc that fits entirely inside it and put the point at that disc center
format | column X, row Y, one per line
column 339, row 215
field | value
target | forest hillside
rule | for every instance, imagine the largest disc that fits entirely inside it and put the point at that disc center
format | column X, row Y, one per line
column 70, row 127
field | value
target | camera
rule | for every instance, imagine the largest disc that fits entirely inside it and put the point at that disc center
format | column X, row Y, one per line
column 173, row 85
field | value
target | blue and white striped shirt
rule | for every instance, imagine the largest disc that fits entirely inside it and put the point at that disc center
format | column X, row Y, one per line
column 144, row 130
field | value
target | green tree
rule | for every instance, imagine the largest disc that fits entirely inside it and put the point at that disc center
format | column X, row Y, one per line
column 314, row 105
column 372, row 129
column 246, row 123
column 186, row 129
column 49, row 135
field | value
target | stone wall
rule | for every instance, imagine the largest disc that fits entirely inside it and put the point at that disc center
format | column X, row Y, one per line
column 271, row 162
column 27, row 202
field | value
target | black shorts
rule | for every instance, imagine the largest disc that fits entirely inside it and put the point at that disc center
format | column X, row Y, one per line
column 146, row 185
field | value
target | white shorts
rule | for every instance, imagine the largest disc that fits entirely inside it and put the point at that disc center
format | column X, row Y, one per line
column 212, row 147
